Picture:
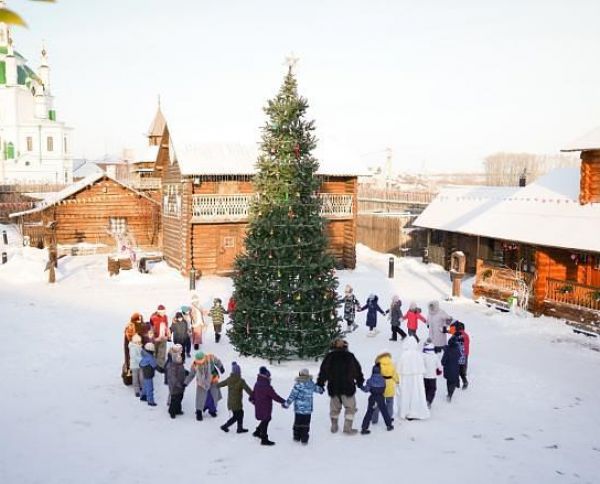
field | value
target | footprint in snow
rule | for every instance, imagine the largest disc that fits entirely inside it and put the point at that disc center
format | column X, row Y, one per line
column 553, row 446
column 477, row 436
column 509, row 438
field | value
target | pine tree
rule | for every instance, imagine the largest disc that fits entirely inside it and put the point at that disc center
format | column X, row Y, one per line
column 285, row 282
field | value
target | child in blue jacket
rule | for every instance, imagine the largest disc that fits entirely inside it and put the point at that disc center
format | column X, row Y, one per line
column 302, row 396
column 376, row 387
column 148, row 367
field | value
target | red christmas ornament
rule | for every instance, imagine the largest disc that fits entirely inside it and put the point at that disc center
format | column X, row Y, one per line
column 297, row 151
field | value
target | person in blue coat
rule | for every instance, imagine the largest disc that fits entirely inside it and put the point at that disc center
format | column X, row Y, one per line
column 302, row 397
column 148, row 366
column 372, row 308
column 375, row 385
column 451, row 364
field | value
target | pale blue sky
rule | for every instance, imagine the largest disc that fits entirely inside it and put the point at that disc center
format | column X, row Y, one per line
column 444, row 83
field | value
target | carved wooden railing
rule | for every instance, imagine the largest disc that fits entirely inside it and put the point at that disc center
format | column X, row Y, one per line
column 213, row 208
column 567, row 292
column 336, row 206
column 145, row 183
column 500, row 278
column 236, row 207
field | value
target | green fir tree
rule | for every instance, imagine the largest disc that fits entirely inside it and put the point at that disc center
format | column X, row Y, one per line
column 285, row 285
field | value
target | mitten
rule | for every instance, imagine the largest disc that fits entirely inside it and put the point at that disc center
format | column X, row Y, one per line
column 438, row 372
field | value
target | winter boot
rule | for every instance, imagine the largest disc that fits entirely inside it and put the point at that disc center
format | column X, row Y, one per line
column 256, row 434
column 241, row 431
column 390, row 427
column 348, row 428
column 265, row 441
column 465, row 384
column 224, row 428
column 199, row 415
column 143, row 398
column 196, row 347
column 334, row 425
column 217, row 337
column 365, row 432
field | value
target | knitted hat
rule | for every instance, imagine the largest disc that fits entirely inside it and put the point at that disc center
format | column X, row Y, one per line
column 137, row 339
column 217, row 300
column 160, row 307
column 149, row 347
column 199, row 355
column 412, row 306
column 428, row 346
column 136, row 318
column 348, row 289
column 264, row 372
column 304, row 372
column 185, row 309
column 376, row 368
column 235, row 369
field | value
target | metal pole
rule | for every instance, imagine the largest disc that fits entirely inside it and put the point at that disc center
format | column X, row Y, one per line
column 4, row 257
column 391, row 268
column 192, row 279
column 4, row 237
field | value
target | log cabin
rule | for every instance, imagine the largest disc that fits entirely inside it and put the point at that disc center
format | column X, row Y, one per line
column 206, row 196
column 90, row 215
column 540, row 241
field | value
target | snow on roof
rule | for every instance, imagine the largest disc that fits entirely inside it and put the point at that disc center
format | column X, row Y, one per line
column 56, row 197
column 589, row 141
column 85, row 169
column 149, row 153
column 546, row 212
column 196, row 157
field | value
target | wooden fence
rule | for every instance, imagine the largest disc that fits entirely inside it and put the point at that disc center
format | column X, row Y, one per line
column 567, row 292
column 390, row 233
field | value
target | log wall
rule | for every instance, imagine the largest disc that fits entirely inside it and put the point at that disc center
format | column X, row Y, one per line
column 590, row 177
column 84, row 216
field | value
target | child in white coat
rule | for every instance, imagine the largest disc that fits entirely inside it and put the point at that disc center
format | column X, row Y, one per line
column 432, row 370
column 135, row 356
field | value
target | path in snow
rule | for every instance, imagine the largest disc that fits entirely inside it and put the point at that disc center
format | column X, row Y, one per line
column 531, row 411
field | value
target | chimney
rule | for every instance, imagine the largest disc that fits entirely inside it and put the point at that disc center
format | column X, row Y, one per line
column 589, row 189
column 523, row 178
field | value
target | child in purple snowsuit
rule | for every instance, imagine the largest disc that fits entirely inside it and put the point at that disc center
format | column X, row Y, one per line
column 262, row 398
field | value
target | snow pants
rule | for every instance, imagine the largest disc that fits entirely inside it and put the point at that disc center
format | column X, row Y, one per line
column 451, row 385
column 397, row 330
column 430, row 389
column 136, row 380
column 263, row 428
column 237, row 417
column 301, row 427
column 148, row 390
column 348, row 403
column 413, row 333
column 218, row 329
column 462, row 372
column 376, row 401
column 175, row 404
column 389, row 404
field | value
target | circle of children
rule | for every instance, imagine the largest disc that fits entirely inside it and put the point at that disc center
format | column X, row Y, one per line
column 145, row 345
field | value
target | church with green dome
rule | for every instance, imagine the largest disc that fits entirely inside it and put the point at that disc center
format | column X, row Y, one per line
column 34, row 145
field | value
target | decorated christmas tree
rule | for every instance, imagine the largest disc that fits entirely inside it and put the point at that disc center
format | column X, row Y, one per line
column 285, row 282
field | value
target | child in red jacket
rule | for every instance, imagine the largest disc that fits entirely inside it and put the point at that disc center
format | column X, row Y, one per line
column 413, row 316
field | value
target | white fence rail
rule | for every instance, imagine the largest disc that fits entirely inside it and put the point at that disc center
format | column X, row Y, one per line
column 236, row 207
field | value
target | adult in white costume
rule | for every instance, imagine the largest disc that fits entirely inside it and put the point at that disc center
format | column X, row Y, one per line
column 413, row 404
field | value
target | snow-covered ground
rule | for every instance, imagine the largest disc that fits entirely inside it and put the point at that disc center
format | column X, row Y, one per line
column 531, row 413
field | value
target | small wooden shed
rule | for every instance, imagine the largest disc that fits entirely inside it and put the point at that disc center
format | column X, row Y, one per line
column 92, row 214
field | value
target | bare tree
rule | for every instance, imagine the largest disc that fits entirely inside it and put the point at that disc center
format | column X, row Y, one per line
column 506, row 168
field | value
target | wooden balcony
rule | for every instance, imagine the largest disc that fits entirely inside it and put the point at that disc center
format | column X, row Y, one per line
column 573, row 294
column 236, row 207
column 500, row 279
